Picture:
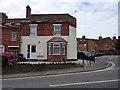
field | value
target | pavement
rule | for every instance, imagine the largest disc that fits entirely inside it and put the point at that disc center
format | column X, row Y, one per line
column 93, row 67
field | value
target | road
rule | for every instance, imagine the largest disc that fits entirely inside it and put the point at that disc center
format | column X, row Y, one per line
column 107, row 78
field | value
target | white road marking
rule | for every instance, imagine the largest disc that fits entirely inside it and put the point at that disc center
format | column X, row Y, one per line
column 81, row 83
column 32, row 77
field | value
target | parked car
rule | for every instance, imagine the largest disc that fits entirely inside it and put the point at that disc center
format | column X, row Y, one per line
column 99, row 54
column 21, row 57
column 85, row 55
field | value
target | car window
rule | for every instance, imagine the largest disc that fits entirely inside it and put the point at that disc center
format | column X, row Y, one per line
column 87, row 53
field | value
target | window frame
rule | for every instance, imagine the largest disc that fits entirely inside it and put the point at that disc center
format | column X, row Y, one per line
column 2, row 48
column 33, row 28
column 49, row 49
column 15, row 51
column 57, row 30
column 63, row 47
column 12, row 37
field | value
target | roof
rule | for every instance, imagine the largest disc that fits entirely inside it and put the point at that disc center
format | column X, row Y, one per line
column 51, row 17
column 57, row 39
column 15, row 20
column 12, row 22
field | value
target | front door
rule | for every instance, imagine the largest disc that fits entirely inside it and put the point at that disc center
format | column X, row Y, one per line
column 32, row 52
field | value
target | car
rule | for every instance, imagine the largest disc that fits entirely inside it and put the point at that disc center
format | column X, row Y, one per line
column 85, row 55
column 98, row 53
column 21, row 57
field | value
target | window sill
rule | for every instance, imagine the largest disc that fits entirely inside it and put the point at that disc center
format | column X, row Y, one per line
column 56, row 54
column 57, row 35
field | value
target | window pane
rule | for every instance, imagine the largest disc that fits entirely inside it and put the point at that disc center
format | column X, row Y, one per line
column 33, row 30
column 14, row 51
column 28, row 55
column 33, row 49
column 13, row 35
column 56, row 50
column 28, row 48
column 63, row 49
column 1, row 49
column 57, row 30
column 49, row 49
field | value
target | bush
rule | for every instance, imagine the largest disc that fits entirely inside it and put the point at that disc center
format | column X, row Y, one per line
column 8, row 59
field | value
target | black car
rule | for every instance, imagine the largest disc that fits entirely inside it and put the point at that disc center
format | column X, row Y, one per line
column 99, row 54
column 21, row 58
column 85, row 55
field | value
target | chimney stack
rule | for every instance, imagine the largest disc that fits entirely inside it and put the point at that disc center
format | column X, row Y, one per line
column 28, row 11
column 100, row 37
column 114, row 37
column 83, row 38
column 3, row 16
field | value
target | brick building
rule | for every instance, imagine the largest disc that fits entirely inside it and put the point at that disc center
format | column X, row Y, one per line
column 40, row 36
column 106, row 45
column 10, row 34
column 85, row 44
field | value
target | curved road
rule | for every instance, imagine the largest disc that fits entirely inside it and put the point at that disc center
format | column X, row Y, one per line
column 107, row 78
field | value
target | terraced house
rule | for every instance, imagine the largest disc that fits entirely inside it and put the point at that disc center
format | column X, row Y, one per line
column 106, row 45
column 43, row 36
column 10, row 34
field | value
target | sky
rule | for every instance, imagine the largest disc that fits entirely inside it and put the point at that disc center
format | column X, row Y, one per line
column 94, row 17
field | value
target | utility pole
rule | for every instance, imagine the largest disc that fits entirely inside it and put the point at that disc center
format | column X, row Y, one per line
column 75, row 13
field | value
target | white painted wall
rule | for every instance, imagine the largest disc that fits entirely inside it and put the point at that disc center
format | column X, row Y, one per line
column 34, row 40
column 72, row 43
column 42, row 46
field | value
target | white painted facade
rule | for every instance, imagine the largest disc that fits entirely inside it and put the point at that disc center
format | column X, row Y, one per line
column 41, row 45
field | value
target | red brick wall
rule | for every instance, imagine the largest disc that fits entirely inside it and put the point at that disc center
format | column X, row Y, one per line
column 105, row 44
column 45, row 29
column 91, row 45
column 98, row 45
column 6, row 37
column 65, row 30
column 81, row 47
column 25, row 29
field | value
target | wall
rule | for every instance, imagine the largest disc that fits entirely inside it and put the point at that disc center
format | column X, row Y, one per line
column 72, row 43
column 6, row 37
column 45, row 29
column 42, row 46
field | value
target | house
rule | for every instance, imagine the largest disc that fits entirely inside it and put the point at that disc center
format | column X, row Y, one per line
column 86, row 44
column 107, row 45
column 48, row 36
column 39, row 36
column 10, row 34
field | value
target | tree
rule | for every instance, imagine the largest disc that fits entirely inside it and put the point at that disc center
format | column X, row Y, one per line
column 117, row 46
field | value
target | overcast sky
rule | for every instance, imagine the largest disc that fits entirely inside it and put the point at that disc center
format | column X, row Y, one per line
column 94, row 17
